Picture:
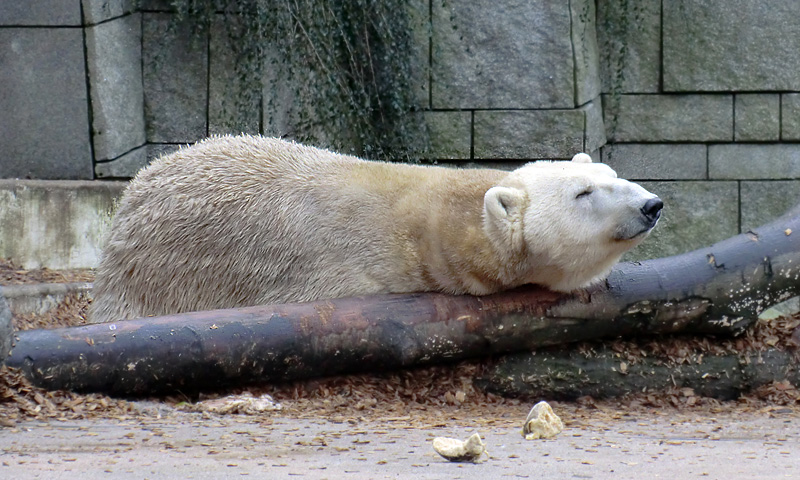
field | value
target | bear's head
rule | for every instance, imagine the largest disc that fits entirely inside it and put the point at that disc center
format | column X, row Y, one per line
column 564, row 225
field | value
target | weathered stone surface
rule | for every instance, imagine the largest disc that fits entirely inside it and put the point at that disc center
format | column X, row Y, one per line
column 156, row 150
column 157, row 5
column 450, row 135
column 764, row 201
column 531, row 134
column 757, row 117
column 44, row 128
column 175, row 67
column 754, row 161
column 729, row 45
column 586, row 53
column 629, row 34
column 502, row 54
column 115, row 77
column 790, row 116
column 125, row 166
column 40, row 12
column 696, row 214
column 420, row 25
column 657, row 161
column 55, row 224
column 669, row 118
column 96, row 11
column 278, row 97
column 234, row 98
column 595, row 130
column 6, row 329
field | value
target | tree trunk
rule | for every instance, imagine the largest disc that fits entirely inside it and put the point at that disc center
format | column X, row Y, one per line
column 719, row 289
column 567, row 374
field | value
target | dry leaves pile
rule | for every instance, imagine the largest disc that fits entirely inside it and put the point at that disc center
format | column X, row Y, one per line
column 11, row 274
column 422, row 396
column 71, row 312
column 21, row 401
column 682, row 349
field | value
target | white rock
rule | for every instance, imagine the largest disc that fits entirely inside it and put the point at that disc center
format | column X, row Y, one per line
column 456, row 450
column 542, row 422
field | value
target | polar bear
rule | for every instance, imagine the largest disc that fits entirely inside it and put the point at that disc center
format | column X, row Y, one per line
column 245, row 220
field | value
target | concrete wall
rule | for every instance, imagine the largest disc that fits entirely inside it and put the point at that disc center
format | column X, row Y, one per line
column 698, row 100
column 55, row 223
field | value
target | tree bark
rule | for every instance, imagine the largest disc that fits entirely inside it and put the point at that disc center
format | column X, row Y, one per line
column 567, row 374
column 719, row 289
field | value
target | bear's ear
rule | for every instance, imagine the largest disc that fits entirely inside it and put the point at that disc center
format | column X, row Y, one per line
column 582, row 158
column 504, row 207
column 504, row 203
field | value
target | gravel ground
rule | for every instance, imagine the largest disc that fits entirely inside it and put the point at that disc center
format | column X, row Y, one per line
column 382, row 425
column 656, row 444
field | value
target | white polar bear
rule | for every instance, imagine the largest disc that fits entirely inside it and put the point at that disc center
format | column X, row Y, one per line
column 247, row 220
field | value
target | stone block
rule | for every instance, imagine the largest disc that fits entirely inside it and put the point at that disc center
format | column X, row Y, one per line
column 157, row 150
column 756, row 117
column 55, row 224
column 695, row 215
column 175, row 77
column 790, row 116
column 584, row 46
column 743, row 161
column 629, row 34
column 595, row 131
column 64, row 13
column 530, row 134
column 44, row 129
column 125, row 166
column 234, row 91
column 96, row 11
column 420, row 29
column 157, row 5
column 668, row 118
column 115, row 77
column 657, row 161
column 6, row 329
column 279, row 107
column 731, row 45
column 764, row 201
column 450, row 135
column 502, row 54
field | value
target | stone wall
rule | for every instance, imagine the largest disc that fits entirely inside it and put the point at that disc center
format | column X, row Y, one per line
column 700, row 101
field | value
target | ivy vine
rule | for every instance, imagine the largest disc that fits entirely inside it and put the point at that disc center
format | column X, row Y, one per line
column 333, row 73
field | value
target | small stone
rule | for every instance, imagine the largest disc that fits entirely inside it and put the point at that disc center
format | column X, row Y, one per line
column 469, row 450
column 245, row 404
column 542, row 422
column 788, row 231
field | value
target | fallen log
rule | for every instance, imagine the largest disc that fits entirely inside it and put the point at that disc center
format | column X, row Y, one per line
column 568, row 374
column 719, row 289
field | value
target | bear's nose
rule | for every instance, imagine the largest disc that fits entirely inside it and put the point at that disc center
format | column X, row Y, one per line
column 652, row 208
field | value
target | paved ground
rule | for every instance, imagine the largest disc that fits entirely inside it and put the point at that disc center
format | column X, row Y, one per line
column 187, row 445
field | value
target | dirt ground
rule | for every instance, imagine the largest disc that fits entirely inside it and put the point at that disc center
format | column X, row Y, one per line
column 382, row 425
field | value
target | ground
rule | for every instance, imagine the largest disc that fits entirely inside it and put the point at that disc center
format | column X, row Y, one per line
column 382, row 426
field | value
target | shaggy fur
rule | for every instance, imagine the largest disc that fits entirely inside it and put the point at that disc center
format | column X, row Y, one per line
column 246, row 220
